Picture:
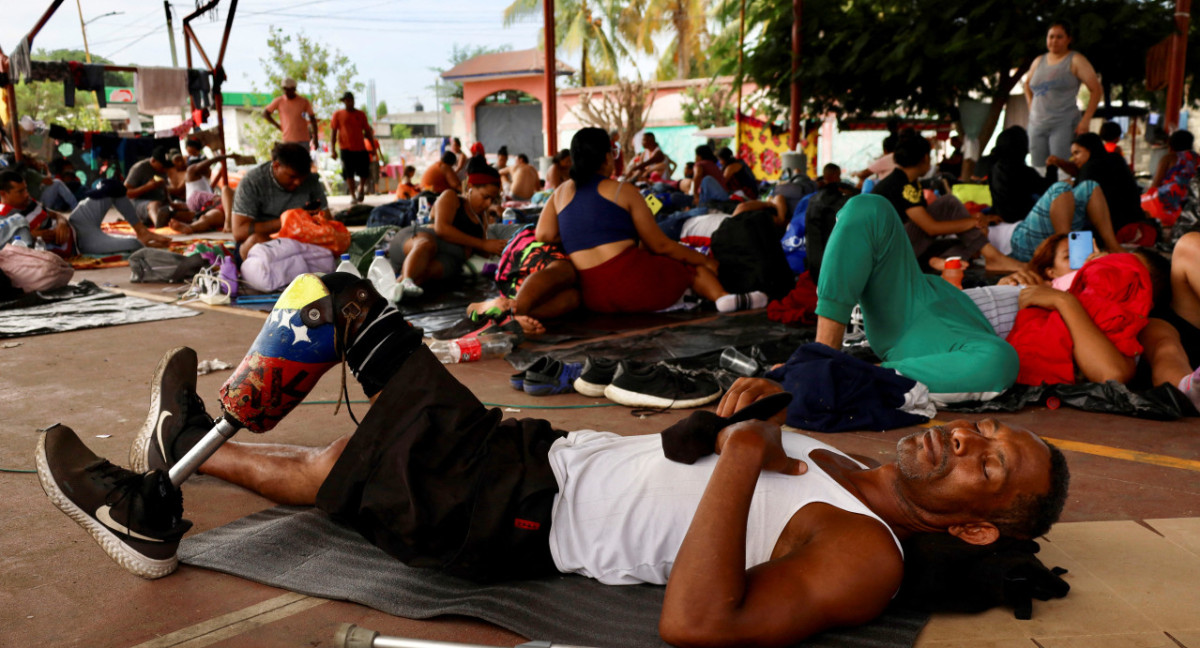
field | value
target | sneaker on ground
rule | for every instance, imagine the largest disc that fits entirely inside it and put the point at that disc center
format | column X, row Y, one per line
column 136, row 518
column 517, row 380
column 597, row 373
column 177, row 419
column 660, row 387
column 409, row 288
column 548, row 376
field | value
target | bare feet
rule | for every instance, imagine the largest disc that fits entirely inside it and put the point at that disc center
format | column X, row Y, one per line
column 937, row 263
column 497, row 304
column 180, row 226
column 530, row 325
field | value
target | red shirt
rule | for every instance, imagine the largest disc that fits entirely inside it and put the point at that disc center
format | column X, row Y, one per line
column 352, row 127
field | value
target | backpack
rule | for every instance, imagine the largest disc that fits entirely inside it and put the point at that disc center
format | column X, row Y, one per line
column 795, row 243
column 400, row 213
column 271, row 266
column 818, row 224
column 152, row 265
column 33, row 270
column 747, row 248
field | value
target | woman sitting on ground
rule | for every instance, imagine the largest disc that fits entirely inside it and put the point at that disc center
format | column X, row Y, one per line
column 738, row 176
column 420, row 253
column 1175, row 171
column 625, row 263
column 1091, row 161
column 1015, row 186
column 407, row 188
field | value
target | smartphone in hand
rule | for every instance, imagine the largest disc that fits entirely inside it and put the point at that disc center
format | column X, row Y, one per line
column 1079, row 245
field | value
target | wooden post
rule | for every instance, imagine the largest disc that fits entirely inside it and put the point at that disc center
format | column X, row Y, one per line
column 737, row 115
column 1183, row 10
column 794, row 131
column 550, row 110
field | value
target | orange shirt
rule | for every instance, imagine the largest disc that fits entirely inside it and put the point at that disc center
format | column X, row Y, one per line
column 406, row 191
column 352, row 127
column 434, row 178
column 291, row 117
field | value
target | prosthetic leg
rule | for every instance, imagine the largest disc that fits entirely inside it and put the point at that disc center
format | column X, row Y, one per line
column 305, row 335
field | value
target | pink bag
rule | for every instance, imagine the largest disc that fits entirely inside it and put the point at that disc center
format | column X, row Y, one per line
column 271, row 266
column 33, row 270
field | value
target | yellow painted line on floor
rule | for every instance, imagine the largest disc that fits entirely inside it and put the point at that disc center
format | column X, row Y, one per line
column 233, row 624
column 1112, row 453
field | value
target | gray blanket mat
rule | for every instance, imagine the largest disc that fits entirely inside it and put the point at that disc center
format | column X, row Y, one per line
column 80, row 306
column 303, row 550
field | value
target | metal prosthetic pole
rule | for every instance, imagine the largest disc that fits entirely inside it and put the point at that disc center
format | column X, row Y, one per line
column 292, row 351
column 190, row 462
column 352, row 636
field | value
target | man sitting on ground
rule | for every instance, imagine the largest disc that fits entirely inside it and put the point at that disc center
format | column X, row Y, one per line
column 269, row 189
column 406, row 189
column 902, row 190
column 65, row 190
column 559, row 171
column 210, row 208
column 77, row 233
column 525, row 180
column 776, row 538
column 146, row 186
column 441, row 176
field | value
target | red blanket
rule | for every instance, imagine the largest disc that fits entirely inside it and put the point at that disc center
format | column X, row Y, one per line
column 1115, row 291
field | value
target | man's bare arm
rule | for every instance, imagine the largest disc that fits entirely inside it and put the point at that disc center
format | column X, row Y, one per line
column 271, row 120
column 824, row 579
column 830, row 332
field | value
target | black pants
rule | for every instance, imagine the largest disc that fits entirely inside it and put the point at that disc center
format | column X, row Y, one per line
column 436, row 479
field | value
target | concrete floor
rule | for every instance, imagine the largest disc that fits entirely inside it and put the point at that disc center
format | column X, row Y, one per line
column 1133, row 489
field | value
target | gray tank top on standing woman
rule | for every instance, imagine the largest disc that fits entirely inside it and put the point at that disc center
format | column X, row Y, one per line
column 1055, row 91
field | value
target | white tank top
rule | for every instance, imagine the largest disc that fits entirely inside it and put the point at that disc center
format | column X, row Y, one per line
column 623, row 508
column 197, row 185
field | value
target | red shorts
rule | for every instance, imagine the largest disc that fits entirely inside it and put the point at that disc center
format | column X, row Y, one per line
column 635, row 281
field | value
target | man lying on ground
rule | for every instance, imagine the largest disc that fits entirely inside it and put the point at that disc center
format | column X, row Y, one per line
column 776, row 538
column 269, row 189
column 77, row 233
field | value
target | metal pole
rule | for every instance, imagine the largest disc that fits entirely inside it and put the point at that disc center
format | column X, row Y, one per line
column 11, row 93
column 551, row 109
column 794, row 131
column 221, row 432
column 1183, row 10
column 170, row 32
column 87, row 53
column 737, row 116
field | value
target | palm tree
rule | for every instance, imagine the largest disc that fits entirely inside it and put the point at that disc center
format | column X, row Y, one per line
column 641, row 20
column 578, row 26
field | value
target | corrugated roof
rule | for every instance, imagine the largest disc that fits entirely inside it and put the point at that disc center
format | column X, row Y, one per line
column 518, row 63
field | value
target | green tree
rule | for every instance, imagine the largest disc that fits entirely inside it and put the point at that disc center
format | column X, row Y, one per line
column 44, row 100
column 708, row 106
column 684, row 56
column 459, row 54
column 401, row 131
column 322, row 74
column 381, row 109
column 579, row 26
column 863, row 57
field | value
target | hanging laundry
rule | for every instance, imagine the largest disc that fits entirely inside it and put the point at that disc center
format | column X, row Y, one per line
column 85, row 77
column 20, row 61
column 199, row 88
column 160, row 90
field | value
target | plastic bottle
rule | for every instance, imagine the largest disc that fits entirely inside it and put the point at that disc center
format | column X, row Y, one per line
column 423, row 210
column 953, row 271
column 39, row 244
column 381, row 275
column 484, row 345
column 346, row 266
column 17, row 241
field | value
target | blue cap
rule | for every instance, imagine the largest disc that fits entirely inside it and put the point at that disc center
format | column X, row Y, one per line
column 345, row 257
column 378, row 253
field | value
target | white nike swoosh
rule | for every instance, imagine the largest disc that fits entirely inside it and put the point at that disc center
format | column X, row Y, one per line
column 105, row 518
column 158, row 432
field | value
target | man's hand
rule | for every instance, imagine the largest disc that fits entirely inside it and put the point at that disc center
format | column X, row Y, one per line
column 746, row 391
column 1054, row 161
column 1022, row 278
column 62, row 230
column 769, row 436
column 333, row 154
column 1043, row 297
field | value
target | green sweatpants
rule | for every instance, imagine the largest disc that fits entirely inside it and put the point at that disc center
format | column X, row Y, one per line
column 919, row 324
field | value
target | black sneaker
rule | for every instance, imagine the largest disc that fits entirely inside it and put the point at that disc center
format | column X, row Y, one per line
column 660, row 387
column 177, row 419
column 596, row 375
column 137, row 519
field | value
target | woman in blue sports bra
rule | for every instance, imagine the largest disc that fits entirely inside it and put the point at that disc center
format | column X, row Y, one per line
column 625, row 262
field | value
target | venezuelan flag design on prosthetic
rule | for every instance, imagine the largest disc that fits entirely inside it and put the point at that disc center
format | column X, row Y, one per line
column 286, row 359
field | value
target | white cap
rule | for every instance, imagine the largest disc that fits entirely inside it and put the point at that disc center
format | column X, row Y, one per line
column 288, row 83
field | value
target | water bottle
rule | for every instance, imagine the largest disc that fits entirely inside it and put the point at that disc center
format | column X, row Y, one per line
column 423, row 210
column 39, row 244
column 953, row 271
column 380, row 274
column 510, row 216
column 18, row 242
column 482, row 346
column 346, row 266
